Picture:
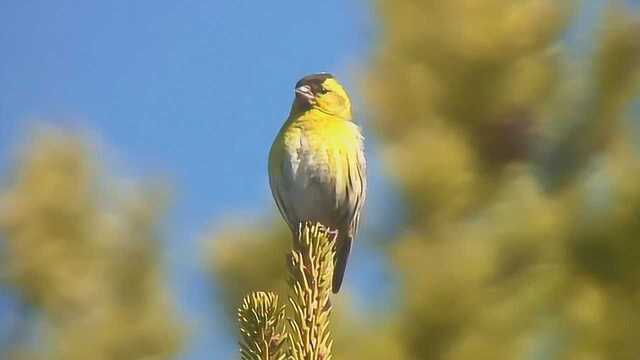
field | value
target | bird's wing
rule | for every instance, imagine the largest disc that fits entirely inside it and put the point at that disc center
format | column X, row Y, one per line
column 280, row 177
column 356, row 190
column 358, row 175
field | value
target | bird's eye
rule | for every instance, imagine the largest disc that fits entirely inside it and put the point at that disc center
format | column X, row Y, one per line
column 323, row 90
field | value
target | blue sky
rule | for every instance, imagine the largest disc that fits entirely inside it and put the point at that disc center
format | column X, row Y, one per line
column 193, row 91
column 184, row 88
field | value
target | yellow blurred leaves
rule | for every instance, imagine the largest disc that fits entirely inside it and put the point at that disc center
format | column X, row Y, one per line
column 90, row 266
column 435, row 168
column 245, row 259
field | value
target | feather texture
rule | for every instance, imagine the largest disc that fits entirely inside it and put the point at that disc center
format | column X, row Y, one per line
column 317, row 173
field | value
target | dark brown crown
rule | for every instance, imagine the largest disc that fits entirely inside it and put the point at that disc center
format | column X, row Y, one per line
column 314, row 80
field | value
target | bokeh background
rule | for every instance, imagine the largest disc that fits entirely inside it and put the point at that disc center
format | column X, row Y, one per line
column 503, row 212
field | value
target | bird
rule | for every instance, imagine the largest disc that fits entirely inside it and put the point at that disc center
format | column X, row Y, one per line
column 317, row 165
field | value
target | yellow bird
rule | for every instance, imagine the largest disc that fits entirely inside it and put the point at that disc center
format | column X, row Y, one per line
column 317, row 168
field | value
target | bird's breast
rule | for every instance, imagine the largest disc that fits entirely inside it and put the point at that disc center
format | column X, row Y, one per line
column 317, row 156
column 319, row 150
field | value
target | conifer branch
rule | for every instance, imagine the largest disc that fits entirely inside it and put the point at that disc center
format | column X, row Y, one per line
column 262, row 327
column 310, row 275
column 261, row 320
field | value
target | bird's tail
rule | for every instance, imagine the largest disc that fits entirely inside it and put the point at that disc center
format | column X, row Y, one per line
column 343, row 247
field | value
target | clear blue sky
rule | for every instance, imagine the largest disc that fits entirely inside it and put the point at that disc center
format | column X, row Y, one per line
column 190, row 90
column 195, row 89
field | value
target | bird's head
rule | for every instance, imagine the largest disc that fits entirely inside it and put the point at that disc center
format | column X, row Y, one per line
column 323, row 92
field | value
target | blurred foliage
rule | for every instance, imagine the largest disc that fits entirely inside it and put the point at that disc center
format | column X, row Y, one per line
column 517, row 168
column 83, row 256
column 249, row 258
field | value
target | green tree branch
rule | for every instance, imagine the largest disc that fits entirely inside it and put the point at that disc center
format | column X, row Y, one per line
column 262, row 327
column 310, row 265
column 310, row 271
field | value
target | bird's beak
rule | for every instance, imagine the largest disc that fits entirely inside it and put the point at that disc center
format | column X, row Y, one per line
column 304, row 91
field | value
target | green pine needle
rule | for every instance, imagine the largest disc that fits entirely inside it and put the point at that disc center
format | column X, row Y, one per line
column 310, row 275
column 262, row 327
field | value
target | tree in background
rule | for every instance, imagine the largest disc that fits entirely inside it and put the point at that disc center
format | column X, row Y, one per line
column 83, row 256
column 518, row 172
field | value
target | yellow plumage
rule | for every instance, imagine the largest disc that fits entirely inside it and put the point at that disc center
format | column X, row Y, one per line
column 317, row 165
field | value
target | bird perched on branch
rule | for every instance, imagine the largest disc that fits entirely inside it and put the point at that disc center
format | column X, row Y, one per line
column 317, row 168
